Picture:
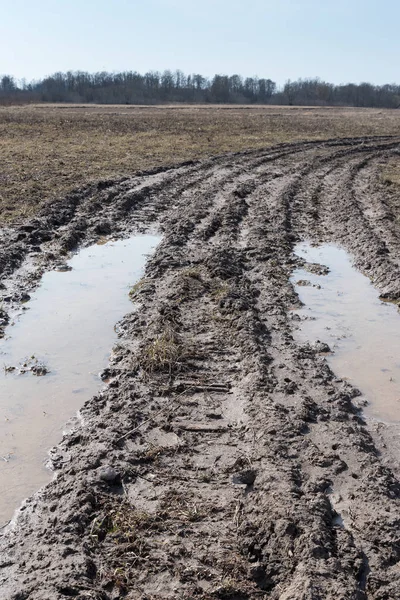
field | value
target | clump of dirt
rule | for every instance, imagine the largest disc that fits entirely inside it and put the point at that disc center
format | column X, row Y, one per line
column 29, row 365
column 223, row 460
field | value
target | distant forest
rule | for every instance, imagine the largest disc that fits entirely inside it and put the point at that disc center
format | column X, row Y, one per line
column 169, row 87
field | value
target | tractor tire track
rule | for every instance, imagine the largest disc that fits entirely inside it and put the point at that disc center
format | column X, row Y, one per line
column 231, row 456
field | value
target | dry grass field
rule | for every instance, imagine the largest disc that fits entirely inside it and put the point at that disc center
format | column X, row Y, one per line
column 47, row 150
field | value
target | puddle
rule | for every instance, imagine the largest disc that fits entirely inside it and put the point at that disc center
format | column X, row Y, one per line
column 343, row 310
column 68, row 328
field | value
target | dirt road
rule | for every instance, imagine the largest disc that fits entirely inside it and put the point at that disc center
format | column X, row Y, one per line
column 223, row 460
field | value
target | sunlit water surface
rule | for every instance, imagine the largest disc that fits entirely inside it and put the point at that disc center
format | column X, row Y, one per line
column 69, row 327
column 343, row 309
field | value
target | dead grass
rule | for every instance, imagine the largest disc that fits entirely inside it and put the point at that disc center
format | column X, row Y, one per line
column 391, row 172
column 134, row 537
column 164, row 354
column 47, row 150
column 390, row 177
column 137, row 288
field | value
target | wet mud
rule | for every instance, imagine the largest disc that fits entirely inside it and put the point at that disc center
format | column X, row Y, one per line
column 224, row 459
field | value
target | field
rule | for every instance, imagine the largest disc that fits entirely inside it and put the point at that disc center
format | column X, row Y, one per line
column 45, row 151
column 224, row 460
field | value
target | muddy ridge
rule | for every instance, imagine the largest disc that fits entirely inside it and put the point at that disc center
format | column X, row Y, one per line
column 223, row 460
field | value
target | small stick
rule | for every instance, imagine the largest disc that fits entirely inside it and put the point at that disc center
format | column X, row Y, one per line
column 164, row 409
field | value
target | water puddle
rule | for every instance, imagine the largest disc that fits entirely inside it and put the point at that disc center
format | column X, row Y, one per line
column 343, row 309
column 52, row 354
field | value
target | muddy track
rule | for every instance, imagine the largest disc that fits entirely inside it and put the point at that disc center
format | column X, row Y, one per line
column 218, row 459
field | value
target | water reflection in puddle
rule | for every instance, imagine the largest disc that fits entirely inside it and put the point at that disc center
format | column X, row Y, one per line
column 68, row 327
column 343, row 309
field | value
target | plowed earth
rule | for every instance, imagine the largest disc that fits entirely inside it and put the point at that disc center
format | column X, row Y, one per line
column 217, row 460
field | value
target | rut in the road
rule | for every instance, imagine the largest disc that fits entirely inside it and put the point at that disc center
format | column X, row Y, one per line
column 234, row 447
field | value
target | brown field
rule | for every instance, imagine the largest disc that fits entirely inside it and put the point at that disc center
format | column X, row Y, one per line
column 47, row 150
column 223, row 457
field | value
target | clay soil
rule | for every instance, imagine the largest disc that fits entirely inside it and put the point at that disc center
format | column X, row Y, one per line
column 223, row 460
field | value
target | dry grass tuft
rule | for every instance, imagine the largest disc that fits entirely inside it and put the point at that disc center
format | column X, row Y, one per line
column 125, row 523
column 138, row 287
column 165, row 353
column 390, row 173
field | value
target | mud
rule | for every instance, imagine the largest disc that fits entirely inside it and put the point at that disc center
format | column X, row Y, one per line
column 224, row 460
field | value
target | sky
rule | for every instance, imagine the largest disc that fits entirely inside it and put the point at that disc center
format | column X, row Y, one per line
column 336, row 40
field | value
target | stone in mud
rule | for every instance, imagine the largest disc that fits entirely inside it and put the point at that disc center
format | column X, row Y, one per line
column 107, row 374
column 71, row 240
column 62, row 268
column 321, row 347
column 103, row 228
column 246, row 477
column 214, row 414
column 108, row 475
column 39, row 370
column 27, row 228
column 316, row 268
column 4, row 318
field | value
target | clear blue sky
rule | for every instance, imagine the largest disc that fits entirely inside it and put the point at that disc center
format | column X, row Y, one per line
column 337, row 40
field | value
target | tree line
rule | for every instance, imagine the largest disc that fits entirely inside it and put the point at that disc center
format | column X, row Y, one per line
column 153, row 87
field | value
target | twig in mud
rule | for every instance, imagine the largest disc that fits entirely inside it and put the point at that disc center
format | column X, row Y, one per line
column 164, row 409
column 141, row 425
column 207, row 387
column 236, row 516
column 144, row 478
